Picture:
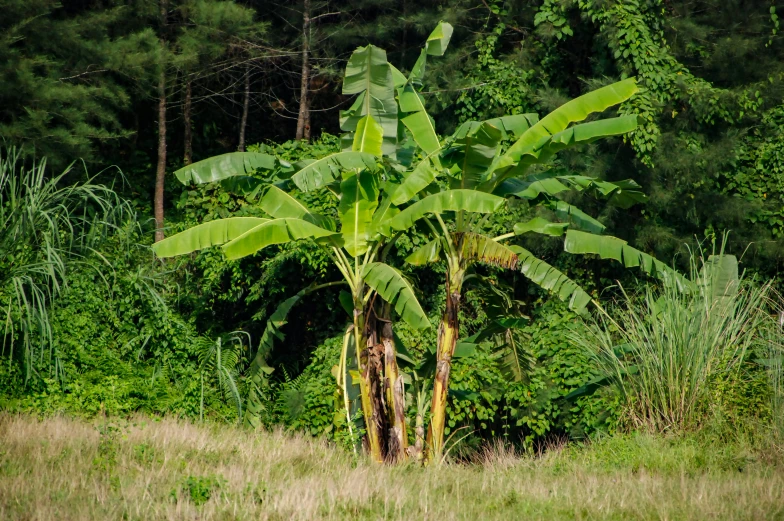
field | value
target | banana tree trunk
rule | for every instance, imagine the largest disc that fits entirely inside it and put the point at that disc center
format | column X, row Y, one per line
column 397, row 441
column 447, row 340
column 368, row 387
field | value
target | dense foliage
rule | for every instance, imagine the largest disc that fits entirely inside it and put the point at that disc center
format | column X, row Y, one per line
column 92, row 322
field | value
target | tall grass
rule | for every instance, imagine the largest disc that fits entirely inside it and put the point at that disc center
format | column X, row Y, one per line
column 46, row 225
column 665, row 350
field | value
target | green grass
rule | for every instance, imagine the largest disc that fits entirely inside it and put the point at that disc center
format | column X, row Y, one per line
column 67, row 469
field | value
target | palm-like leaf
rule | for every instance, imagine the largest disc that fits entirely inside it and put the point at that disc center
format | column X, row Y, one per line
column 426, row 253
column 280, row 205
column 221, row 167
column 558, row 120
column 276, row 231
column 395, row 289
column 447, row 201
column 608, row 247
column 319, row 173
column 542, row 226
column 551, row 279
column 358, row 202
column 213, row 233
column 369, row 75
column 416, row 181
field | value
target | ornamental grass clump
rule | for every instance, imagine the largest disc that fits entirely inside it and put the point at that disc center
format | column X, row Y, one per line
column 666, row 349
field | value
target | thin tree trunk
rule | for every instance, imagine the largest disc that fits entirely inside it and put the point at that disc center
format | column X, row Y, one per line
column 397, row 440
column 160, row 174
column 245, row 105
column 447, row 340
column 303, row 120
column 186, row 116
column 161, row 171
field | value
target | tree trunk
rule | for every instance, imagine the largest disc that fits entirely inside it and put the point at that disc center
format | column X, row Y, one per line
column 397, row 440
column 303, row 120
column 161, row 171
column 245, row 105
column 186, row 117
column 368, row 389
column 447, row 340
column 160, row 174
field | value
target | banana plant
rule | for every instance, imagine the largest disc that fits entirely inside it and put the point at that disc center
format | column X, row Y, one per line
column 476, row 176
column 357, row 243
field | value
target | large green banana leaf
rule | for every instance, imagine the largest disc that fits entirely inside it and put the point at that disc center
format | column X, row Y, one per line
column 514, row 125
column 418, row 122
column 540, row 225
column 223, row 166
column 280, row 205
column 368, row 137
column 608, row 247
column 558, row 120
column 358, row 202
column 480, row 248
column 578, row 218
column 395, row 289
column 583, row 133
column 623, row 194
column 424, row 174
column 426, row 253
column 471, row 151
column 319, row 173
column 369, row 75
column 436, row 45
column 447, row 201
column 551, row 279
column 276, row 231
column 212, row 233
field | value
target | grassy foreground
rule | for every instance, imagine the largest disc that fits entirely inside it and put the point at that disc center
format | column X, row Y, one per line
column 145, row 469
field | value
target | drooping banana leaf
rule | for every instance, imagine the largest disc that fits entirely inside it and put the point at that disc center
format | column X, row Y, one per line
column 551, row 279
column 514, row 125
column 549, row 145
column 379, row 225
column 541, row 225
column 573, row 111
column 280, row 205
column 319, row 173
column 608, row 247
column 426, row 253
column 623, row 194
column 424, row 174
column 578, row 218
column 369, row 75
column 484, row 249
column 220, row 167
column 446, row 201
column 212, row 233
column 358, row 202
column 532, row 186
column 395, row 289
column 276, row 231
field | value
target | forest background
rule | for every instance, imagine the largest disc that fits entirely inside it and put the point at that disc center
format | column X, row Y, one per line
column 127, row 92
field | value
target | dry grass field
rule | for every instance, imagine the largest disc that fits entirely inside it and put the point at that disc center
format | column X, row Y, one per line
column 146, row 469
